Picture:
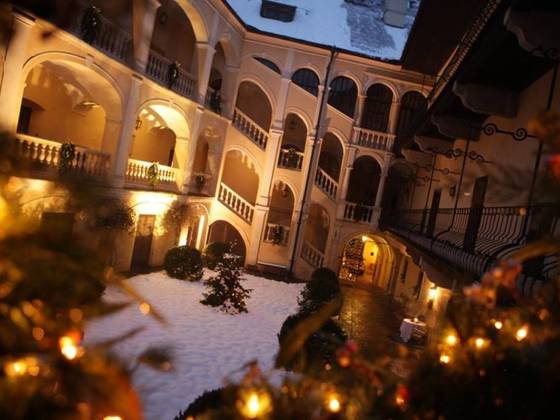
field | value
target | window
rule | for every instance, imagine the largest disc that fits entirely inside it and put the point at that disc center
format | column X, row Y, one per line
column 24, row 119
column 268, row 64
column 377, row 108
column 307, row 79
column 343, row 94
column 413, row 108
column 277, row 11
column 404, row 271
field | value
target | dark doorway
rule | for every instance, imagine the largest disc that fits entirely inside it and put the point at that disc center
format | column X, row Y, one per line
column 433, row 212
column 221, row 231
column 143, row 242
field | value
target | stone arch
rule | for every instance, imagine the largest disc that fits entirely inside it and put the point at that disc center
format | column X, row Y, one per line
column 282, row 202
column 226, row 231
column 387, row 83
column 295, row 132
column 64, row 100
column 343, row 94
column 231, row 52
column 413, row 106
column 255, row 102
column 307, row 79
column 317, row 227
column 331, row 155
column 349, row 75
column 196, row 19
column 398, row 189
column 364, row 181
column 239, row 173
column 377, row 107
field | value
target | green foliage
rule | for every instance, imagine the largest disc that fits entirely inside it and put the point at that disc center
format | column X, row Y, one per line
column 184, row 263
column 209, row 400
column 175, row 216
column 225, row 290
column 322, row 288
column 112, row 214
column 214, row 254
column 320, row 347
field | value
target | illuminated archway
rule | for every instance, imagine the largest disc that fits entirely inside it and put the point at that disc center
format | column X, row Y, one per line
column 222, row 231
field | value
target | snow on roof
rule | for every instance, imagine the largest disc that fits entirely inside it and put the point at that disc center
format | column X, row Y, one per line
column 348, row 26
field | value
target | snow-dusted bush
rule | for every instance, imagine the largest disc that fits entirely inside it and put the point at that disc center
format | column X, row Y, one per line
column 184, row 263
column 225, row 290
column 207, row 401
column 214, row 254
column 322, row 288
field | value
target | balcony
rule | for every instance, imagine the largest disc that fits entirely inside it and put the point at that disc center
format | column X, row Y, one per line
column 372, row 139
column 151, row 174
column 475, row 239
column 249, row 128
column 326, row 184
column 312, row 255
column 358, row 213
column 276, row 234
column 213, row 101
column 47, row 158
column 290, row 159
column 236, row 203
column 168, row 73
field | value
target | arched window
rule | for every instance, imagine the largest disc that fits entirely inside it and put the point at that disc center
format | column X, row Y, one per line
column 268, row 64
column 413, row 107
column 307, row 79
column 364, row 181
column 343, row 94
column 377, row 108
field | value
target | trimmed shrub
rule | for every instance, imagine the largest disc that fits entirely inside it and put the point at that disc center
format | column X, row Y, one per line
column 214, row 254
column 184, row 263
column 320, row 347
column 322, row 288
column 207, row 401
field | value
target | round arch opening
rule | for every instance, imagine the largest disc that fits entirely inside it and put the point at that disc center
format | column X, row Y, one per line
column 222, row 231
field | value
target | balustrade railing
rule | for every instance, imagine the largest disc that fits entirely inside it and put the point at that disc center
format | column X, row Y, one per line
column 170, row 74
column 276, row 234
column 250, row 128
column 373, row 139
column 236, row 203
column 45, row 155
column 474, row 239
column 361, row 213
column 150, row 173
column 95, row 29
column 327, row 184
column 290, row 159
column 312, row 255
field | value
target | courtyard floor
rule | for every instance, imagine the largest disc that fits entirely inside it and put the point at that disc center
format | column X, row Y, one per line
column 208, row 345
column 370, row 320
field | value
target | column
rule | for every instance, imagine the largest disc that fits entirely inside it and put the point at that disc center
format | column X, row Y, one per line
column 348, row 171
column 186, row 155
column 12, row 84
column 110, row 141
column 229, row 88
column 359, row 110
column 394, row 117
column 381, row 187
column 143, row 20
column 127, row 131
column 205, row 55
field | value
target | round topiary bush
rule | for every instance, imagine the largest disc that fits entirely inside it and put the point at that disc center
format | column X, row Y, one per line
column 184, row 263
column 214, row 254
column 207, row 401
column 321, row 346
column 322, row 288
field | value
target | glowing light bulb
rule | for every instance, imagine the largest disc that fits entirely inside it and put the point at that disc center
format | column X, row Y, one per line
column 451, row 339
column 445, row 359
column 144, row 308
column 69, row 347
column 498, row 325
column 20, row 367
column 480, row 343
column 254, row 404
column 333, row 404
column 521, row 333
column 112, row 418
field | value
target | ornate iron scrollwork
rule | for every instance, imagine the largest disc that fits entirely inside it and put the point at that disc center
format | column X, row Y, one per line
column 519, row 134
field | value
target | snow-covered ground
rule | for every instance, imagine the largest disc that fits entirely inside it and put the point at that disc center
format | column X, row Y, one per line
column 208, row 345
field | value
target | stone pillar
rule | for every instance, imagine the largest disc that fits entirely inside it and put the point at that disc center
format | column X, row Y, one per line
column 186, row 157
column 205, row 55
column 347, row 172
column 143, row 20
column 259, row 220
column 229, row 91
column 394, row 117
column 359, row 110
column 12, row 86
column 127, row 131
column 381, row 187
